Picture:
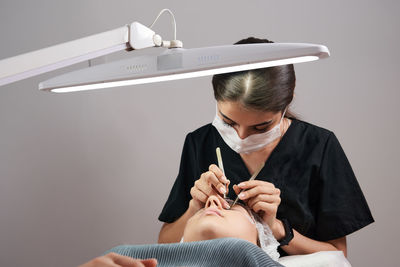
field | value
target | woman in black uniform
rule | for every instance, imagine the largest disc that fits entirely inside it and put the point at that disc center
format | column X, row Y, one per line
column 306, row 192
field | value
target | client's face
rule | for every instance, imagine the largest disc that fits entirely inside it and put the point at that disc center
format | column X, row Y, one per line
column 213, row 221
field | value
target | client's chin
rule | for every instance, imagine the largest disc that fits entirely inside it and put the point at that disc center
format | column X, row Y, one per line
column 204, row 230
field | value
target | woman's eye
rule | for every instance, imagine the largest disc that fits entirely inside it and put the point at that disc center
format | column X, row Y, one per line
column 261, row 130
column 228, row 124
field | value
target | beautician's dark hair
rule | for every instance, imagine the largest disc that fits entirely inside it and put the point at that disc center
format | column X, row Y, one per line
column 267, row 89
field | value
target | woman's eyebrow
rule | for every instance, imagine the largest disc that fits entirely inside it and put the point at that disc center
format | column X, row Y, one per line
column 226, row 117
column 259, row 124
column 263, row 123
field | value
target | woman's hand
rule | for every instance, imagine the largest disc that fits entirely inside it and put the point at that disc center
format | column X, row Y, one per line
column 116, row 260
column 210, row 183
column 264, row 198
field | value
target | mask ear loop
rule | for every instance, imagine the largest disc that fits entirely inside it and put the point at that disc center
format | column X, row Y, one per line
column 283, row 115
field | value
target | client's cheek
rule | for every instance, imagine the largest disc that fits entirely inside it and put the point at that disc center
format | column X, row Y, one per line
column 249, row 229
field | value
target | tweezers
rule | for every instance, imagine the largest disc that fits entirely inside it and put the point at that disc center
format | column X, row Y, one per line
column 251, row 178
column 221, row 166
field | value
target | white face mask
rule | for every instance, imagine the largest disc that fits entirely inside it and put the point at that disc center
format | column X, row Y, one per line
column 251, row 143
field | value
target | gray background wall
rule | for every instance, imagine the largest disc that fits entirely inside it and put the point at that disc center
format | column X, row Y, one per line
column 83, row 172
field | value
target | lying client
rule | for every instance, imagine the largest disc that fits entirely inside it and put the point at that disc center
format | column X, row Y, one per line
column 213, row 236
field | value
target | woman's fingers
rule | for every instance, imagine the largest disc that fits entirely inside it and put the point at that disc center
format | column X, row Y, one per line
column 125, row 261
column 254, row 183
column 198, row 194
column 268, row 208
column 218, row 172
column 211, row 182
column 206, row 184
column 149, row 262
column 255, row 191
column 272, row 199
column 203, row 186
column 116, row 260
column 221, row 179
column 237, row 189
column 209, row 178
column 262, row 197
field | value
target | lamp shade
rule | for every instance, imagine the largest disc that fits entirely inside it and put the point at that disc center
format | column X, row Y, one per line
column 180, row 63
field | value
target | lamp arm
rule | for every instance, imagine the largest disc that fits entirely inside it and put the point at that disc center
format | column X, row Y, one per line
column 33, row 63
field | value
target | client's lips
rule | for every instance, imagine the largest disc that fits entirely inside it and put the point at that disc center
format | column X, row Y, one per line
column 212, row 211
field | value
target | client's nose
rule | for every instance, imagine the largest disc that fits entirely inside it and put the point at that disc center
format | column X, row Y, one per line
column 213, row 201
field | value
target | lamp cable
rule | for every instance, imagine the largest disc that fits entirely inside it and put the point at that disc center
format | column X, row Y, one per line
column 173, row 20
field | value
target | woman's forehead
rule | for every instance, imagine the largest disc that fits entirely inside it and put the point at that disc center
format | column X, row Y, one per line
column 235, row 112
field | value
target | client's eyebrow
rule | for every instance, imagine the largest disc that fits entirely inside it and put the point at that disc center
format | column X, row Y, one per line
column 246, row 213
column 235, row 210
column 239, row 209
column 255, row 125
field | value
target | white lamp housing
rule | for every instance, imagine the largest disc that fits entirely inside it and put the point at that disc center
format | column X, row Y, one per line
column 179, row 63
column 170, row 62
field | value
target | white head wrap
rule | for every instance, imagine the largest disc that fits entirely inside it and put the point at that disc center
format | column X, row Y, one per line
column 268, row 242
column 266, row 239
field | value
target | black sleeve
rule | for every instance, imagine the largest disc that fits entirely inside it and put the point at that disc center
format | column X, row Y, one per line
column 342, row 207
column 179, row 197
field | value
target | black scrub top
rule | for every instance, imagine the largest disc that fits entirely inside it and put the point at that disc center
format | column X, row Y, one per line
column 320, row 195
